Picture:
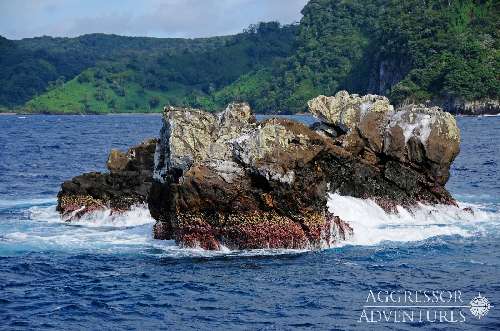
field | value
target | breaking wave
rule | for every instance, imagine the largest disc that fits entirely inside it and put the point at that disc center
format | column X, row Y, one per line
column 103, row 232
column 131, row 232
column 372, row 225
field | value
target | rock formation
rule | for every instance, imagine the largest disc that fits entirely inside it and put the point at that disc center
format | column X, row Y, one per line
column 127, row 184
column 226, row 179
column 423, row 139
column 470, row 107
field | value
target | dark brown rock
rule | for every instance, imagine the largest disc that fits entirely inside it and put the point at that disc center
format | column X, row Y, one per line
column 267, row 184
column 127, row 184
column 215, row 180
column 117, row 161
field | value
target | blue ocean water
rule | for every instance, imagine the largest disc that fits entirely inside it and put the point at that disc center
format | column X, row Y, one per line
column 109, row 274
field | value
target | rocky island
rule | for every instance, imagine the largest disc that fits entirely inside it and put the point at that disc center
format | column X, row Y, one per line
column 225, row 179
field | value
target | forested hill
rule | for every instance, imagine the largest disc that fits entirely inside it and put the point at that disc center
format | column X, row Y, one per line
column 123, row 74
column 442, row 51
column 29, row 66
column 445, row 51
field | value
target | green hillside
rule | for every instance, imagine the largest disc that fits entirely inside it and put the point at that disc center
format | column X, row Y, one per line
column 145, row 82
column 412, row 51
column 29, row 66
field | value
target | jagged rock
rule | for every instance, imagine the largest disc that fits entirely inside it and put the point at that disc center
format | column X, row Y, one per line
column 117, row 161
column 226, row 180
column 190, row 135
column 267, row 192
column 276, row 147
column 127, row 184
column 268, row 187
column 426, row 138
column 325, row 130
column 353, row 142
column 345, row 111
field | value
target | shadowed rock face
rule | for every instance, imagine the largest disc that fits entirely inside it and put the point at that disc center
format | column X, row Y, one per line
column 225, row 179
column 127, row 184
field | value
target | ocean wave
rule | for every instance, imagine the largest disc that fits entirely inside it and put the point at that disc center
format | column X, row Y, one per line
column 25, row 203
column 103, row 232
column 137, row 215
column 372, row 225
column 131, row 232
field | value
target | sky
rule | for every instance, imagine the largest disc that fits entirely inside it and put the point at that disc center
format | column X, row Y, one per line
column 153, row 18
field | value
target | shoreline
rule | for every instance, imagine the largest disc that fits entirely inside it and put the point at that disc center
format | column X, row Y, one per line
column 125, row 114
column 160, row 113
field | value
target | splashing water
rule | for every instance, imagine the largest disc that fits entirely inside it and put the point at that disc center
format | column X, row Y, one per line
column 372, row 225
column 131, row 231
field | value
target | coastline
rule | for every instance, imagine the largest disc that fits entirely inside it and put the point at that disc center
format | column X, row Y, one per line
column 77, row 114
column 125, row 114
column 464, row 114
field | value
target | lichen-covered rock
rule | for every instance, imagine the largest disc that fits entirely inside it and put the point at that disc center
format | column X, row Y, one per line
column 127, row 184
column 117, row 161
column 345, row 110
column 276, row 147
column 190, row 135
column 425, row 138
column 185, row 138
column 264, row 191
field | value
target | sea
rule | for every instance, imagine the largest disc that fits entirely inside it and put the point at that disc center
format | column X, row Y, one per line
column 417, row 269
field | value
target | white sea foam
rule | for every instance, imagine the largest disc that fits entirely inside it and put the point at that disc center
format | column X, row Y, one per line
column 131, row 232
column 106, row 233
column 372, row 225
column 138, row 215
column 101, row 231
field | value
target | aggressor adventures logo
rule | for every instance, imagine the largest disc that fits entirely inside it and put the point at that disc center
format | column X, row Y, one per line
column 436, row 306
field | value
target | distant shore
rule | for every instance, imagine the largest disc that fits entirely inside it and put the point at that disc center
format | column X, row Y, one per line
column 76, row 114
column 125, row 114
column 160, row 113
